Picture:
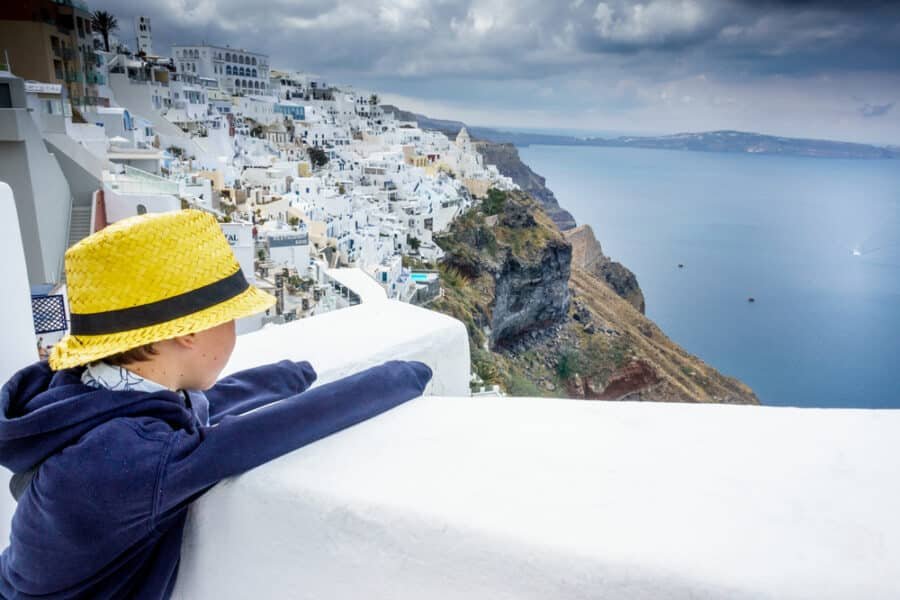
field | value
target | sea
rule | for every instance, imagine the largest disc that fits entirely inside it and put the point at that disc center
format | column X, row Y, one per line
column 814, row 242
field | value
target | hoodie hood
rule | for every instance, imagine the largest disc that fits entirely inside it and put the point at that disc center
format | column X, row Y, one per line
column 43, row 411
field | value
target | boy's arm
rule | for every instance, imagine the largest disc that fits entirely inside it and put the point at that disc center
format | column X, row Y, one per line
column 245, row 390
column 193, row 463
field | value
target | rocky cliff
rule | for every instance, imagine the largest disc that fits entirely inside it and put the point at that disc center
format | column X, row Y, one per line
column 519, row 259
column 543, row 318
column 587, row 255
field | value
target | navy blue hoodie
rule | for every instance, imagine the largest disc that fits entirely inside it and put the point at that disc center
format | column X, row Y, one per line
column 104, row 514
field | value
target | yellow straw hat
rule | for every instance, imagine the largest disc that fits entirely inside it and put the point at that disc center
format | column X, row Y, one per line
column 150, row 278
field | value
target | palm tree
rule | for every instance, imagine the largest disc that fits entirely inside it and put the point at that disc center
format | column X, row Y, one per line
column 105, row 23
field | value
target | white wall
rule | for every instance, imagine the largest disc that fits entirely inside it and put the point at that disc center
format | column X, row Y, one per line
column 44, row 197
column 537, row 498
column 291, row 256
column 349, row 340
column 120, row 206
column 240, row 238
column 16, row 321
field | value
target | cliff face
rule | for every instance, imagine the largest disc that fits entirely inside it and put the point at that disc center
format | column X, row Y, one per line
column 506, row 158
column 517, row 257
column 544, row 319
column 587, row 255
column 619, row 354
column 531, row 290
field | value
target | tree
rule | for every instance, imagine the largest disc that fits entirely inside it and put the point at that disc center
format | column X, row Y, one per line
column 414, row 243
column 317, row 156
column 494, row 202
column 105, row 23
column 374, row 100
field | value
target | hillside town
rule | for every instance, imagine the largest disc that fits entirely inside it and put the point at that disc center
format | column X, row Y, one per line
column 325, row 197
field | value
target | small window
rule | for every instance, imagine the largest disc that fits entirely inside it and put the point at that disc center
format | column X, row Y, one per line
column 141, row 209
column 5, row 96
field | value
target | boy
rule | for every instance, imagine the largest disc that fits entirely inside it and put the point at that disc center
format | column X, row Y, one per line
column 112, row 440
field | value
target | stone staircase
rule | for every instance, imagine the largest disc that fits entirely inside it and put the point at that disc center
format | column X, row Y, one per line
column 80, row 224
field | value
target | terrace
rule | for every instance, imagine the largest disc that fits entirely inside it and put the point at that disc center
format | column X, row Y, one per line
column 453, row 496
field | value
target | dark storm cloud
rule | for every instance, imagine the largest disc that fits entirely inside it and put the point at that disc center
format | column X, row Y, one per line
column 536, row 39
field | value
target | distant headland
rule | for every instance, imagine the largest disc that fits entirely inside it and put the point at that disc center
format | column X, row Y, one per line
column 735, row 142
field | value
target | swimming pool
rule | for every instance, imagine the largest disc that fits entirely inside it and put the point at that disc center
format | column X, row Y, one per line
column 423, row 277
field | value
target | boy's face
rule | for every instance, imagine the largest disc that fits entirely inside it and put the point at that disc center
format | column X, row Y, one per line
column 210, row 351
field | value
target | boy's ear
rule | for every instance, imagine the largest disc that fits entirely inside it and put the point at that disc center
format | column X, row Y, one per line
column 185, row 341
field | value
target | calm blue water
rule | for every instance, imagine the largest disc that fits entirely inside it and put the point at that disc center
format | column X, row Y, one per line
column 825, row 328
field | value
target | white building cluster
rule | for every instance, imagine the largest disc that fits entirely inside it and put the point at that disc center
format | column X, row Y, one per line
column 305, row 175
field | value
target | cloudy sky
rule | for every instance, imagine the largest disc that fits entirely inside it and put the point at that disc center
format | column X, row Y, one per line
column 825, row 69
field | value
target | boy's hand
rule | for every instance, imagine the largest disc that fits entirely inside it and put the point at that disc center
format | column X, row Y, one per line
column 306, row 373
column 421, row 372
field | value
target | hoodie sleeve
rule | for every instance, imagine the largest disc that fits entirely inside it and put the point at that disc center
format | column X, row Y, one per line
column 245, row 390
column 193, row 463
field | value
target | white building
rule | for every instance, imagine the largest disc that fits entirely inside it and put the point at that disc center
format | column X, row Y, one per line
column 286, row 85
column 143, row 34
column 237, row 71
column 289, row 248
column 42, row 192
column 261, row 110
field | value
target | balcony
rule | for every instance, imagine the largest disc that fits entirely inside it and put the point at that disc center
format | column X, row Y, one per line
column 90, row 101
column 136, row 181
column 64, row 53
column 91, row 58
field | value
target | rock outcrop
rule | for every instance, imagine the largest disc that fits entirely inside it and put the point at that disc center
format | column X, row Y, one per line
column 531, row 295
column 521, row 258
column 587, row 255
